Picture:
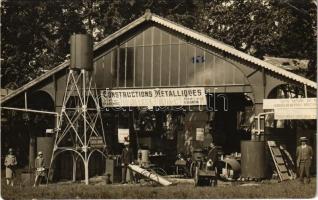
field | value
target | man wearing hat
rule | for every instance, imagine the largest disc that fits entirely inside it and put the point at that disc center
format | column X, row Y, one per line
column 126, row 159
column 304, row 156
column 39, row 169
column 10, row 162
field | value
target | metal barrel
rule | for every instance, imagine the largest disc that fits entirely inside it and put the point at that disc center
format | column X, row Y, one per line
column 253, row 159
column 45, row 145
column 81, row 52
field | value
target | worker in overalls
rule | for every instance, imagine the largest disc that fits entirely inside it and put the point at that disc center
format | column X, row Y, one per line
column 304, row 155
column 10, row 162
column 39, row 169
column 127, row 158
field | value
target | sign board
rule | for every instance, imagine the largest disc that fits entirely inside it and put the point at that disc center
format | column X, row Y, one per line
column 290, row 103
column 298, row 108
column 153, row 97
column 49, row 130
column 122, row 134
column 295, row 113
column 199, row 134
column 96, row 141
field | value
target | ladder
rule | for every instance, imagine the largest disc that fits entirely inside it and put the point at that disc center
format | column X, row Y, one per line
column 280, row 164
column 289, row 162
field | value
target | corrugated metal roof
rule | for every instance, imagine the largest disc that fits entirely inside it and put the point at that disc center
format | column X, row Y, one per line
column 183, row 30
column 228, row 49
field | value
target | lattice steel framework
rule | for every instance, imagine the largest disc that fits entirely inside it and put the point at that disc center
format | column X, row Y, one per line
column 80, row 120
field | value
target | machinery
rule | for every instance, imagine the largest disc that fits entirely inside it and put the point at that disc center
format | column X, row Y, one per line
column 203, row 168
column 205, row 174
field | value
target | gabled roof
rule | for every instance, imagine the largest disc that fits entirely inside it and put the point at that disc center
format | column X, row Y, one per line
column 182, row 30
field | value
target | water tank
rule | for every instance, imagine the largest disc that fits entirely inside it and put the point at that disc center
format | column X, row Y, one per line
column 45, row 144
column 253, row 159
column 81, row 52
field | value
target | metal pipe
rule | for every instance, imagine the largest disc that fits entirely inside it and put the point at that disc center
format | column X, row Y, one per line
column 84, row 106
column 25, row 100
column 30, row 110
column 259, row 121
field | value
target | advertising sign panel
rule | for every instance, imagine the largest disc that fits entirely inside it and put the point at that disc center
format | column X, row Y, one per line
column 298, row 108
column 153, row 97
column 122, row 134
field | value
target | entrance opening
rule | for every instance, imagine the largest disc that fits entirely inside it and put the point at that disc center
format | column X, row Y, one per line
column 167, row 132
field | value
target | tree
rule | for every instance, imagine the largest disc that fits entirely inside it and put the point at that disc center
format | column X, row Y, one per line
column 263, row 27
column 35, row 34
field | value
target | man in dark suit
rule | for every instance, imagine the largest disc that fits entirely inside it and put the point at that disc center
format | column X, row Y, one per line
column 127, row 158
column 213, row 153
column 304, row 156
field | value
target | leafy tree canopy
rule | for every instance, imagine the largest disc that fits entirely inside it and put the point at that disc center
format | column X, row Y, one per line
column 35, row 34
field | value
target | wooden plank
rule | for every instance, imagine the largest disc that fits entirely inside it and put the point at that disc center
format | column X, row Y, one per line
column 285, row 176
column 282, row 168
column 271, row 143
column 279, row 160
column 276, row 151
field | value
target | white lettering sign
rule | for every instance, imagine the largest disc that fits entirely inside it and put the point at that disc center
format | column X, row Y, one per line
column 290, row 103
column 153, row 97
column 300, row 108
column 199, row 134
column 295, row 113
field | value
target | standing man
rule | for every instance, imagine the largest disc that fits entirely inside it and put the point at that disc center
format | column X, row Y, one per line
column 304, row 156
column 213, row 153
column 39, row 169
column 126, row 159
column 10, row 163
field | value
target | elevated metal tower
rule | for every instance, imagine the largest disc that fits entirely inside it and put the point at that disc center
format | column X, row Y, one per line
column 80, row 128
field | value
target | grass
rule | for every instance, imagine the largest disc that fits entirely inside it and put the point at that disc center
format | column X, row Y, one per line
column 288, row 189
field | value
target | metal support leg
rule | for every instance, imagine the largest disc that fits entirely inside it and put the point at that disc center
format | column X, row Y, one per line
column 86, row 171
column 74, row 167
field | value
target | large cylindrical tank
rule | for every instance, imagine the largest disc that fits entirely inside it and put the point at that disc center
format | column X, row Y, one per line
column 81, row 52
column 45, row 144
column 253, row 159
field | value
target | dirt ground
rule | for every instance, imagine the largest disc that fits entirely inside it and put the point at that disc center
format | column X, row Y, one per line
column 181, row 189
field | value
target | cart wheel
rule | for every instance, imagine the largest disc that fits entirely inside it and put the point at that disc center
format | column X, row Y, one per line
column 159, row 171
column 196, row 177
